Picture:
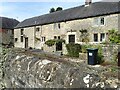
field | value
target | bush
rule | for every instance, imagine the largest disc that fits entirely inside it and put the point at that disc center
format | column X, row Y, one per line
column 50, row 43
column 73, row 49
column 84, row 48
column 53, row 41
column 99, row 55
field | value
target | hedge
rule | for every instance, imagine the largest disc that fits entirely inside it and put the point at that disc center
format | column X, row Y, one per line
column 73, row 49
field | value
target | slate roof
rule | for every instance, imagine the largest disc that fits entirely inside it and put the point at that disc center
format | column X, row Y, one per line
column 8, row 23
column 80, row 12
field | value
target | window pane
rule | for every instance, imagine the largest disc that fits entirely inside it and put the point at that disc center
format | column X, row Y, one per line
column 58, row 37
column 16, row 39
column 95, row 37
column 37, row 29
column 59, row 25
column 96, row 21
column 21, row 38
column 102, row 21
column 44, row 39
column 55, row 37
column 22, row 30
column 71, row 38
column 102, row 36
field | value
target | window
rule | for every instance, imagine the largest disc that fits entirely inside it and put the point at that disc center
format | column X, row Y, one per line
column 55, row 37
column 96, row 21
column 59, row 25
column 43, row 39
column 71, row 38
column 21, row 38
column 102, row 36
column 99, row 21
column 38, row 29
column 16, row 39
column 102, row 21
column 58, row 37
column 95, row 37
column 22, row 30
column 55, row 25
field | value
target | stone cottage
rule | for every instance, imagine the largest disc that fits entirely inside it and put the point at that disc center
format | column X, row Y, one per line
column 86, row 23
column 7, row 30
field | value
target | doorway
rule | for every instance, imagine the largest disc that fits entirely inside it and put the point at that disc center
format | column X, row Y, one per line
column 58, row 46
column 26, row 42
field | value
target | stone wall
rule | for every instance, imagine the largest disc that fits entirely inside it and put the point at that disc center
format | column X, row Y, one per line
column 25, row 69
column 110, row 52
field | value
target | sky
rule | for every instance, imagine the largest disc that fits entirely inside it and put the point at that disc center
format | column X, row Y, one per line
column 24, row 9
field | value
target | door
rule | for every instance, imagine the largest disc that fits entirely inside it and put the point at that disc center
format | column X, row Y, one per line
column 26, row 42
column 59, row 46
column 71, row 38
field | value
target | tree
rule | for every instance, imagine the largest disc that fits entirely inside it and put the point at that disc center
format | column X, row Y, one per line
column 52, row 10
column 59, row 9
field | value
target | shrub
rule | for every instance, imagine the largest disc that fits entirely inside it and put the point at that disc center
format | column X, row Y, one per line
column 73, row 49
column 50, row 43
column 114, row 36
column 99, row 55
column 53, row 41
column 84, row 48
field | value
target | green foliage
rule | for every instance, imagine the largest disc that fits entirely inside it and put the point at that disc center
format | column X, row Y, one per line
column 60, row 41
column 53, row 42
column 50, row 43
column 73, row 49
column 114, row 36
column 37, row 39
column 52, row 10
column 59, row 9
column 99, row 56
column 84, row 48
column 84, row 35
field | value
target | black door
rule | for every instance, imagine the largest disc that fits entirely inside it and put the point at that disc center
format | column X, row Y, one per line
column 71, row 38
column 58, row 46
column 26, row 42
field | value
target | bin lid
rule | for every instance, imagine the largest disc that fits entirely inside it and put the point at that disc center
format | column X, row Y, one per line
column 92, row 49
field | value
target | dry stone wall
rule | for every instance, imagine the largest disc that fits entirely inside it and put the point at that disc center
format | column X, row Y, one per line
column 28, row 69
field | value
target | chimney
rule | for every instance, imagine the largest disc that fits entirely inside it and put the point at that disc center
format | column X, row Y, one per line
column 88, row 2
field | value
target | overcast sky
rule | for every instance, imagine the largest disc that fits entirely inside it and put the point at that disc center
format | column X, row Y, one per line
column 29, row 8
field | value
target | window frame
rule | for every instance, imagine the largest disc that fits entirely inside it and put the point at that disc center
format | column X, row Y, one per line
column 97, row 21
column 102, row 21
column 102, row 38
column 37, row 29
column 43, row 39
column 21, row 39
column 59, row 26
column 22, row 31
column 95, row 40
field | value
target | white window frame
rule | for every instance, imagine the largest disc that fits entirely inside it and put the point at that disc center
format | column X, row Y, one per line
column 97, row 21
column 102, row 38
column 43, row 39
